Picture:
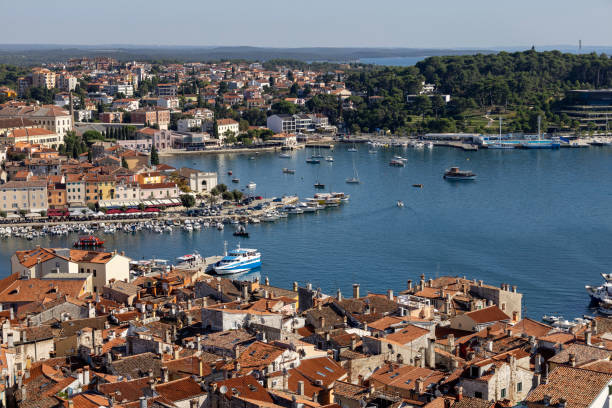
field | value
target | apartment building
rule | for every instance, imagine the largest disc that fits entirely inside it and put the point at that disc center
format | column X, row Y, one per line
column 75, row 190
column 29, row 196
column 225, row 127
column 41, row 136
column 152, row 116
column 42, row 77
column 50, row 117
column 66, row 82
column 167, row 90
column 114, row 89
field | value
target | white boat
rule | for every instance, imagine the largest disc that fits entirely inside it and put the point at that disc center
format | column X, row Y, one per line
column 237, row 261
column 355, row 178
column 329, row 159
column 400, row 203
column 307, row 207
column 220, row 226
column 269, row 217
column 251, row 185
column 284, row 156
column 601, row 293
column 190, row 258
column 429, row 145
column 551, row 318
column 292, row 209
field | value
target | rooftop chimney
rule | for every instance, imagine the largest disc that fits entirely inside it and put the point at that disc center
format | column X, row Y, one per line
column 267, row 281
column 338, row 295
column 587, row 337
column 164, row 374
column 300, row 387
column 572, row 360
column 355, row 290
column 295, row 286
column 409, row 284
column 390, row 294
column 459, row 393
column 143, row 402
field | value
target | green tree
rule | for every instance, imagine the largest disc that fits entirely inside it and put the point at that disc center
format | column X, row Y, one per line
column 237, row 195
column 154, row 156
column 243, row 125
column 187, row 200
column 283, row 107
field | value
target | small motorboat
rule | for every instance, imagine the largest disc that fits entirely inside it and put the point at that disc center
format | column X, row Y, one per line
column 551, row 318
column 235, row 180
column 288, row 171
column 89, row 241
column 252, row 158
column 251, row 185
column 241, row 232
column 417, row 185
column 284, row 156
column 229, row 173
column 397, row 163
column 352, row 149
column 400, row 203
column 190, row 258
column 318, row 185
column 329, row 159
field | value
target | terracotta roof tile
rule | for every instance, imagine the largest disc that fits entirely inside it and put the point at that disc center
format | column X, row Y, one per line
column 579, row 387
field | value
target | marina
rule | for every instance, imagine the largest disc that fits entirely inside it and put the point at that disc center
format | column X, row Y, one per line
column 434, row 231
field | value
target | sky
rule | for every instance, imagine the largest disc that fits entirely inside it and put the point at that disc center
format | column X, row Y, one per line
column 275, row 23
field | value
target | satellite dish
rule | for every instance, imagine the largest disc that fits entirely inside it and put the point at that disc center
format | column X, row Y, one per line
column 223, row 389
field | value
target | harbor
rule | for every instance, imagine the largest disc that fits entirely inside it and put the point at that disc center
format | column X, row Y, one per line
column 475, row 228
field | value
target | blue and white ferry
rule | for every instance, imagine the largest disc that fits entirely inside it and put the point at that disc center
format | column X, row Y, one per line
column 237, row 261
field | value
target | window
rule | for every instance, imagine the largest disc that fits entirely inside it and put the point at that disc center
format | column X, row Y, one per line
column 503, row 393
column 519, row 387
column 94, row 273
column 478, row 394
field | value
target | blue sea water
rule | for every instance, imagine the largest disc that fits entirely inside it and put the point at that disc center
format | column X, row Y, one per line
column 541, row 220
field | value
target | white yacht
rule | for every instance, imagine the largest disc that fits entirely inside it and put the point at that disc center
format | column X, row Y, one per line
column 237, row 261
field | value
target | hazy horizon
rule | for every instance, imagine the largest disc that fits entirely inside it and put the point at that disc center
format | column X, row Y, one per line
column 441, row 24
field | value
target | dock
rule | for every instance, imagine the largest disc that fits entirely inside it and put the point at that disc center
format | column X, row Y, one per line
column 458, row 145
